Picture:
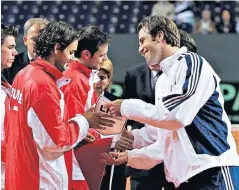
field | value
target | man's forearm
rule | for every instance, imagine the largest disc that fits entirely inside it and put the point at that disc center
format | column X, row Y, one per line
column 145, row 158
column 157, row 116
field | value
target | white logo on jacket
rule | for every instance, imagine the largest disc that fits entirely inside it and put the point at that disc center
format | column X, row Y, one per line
column 17, row 95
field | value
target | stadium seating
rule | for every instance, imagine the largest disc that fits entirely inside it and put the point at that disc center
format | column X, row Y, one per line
column 113, row 16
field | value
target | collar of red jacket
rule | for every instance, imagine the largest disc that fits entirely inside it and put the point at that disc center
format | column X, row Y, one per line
column 5, row 83
column 48, row 68
column 75, row 64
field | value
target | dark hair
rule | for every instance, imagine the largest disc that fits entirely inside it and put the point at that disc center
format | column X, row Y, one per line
column 187, row 40
column 8, row 30
column 54, row 32
column 90, row 38
column 158, row 23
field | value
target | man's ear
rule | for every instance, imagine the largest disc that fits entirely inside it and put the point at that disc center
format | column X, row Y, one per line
column 160, row 36
column 85, row 54
column 25, row 39
column 56, row 48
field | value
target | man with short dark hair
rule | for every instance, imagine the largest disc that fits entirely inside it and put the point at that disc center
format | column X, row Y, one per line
column 91, row 52
column 31, row 29
column 8, row 45
column 39, row 135
column 79, row 94
column 189, row 130
column 8, row 54
column 139, row 83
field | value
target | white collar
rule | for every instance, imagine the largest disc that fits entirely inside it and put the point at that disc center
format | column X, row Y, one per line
column 6, row 90
column 169, row 61
column 154, row 73
column 94, row 76
column 28, row 54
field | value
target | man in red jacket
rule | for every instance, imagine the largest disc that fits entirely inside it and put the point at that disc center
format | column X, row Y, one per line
column 39, row 135
column 8, row 54
column 79, row 93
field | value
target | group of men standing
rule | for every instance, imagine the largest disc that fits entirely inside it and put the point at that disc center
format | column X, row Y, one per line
column 48, row 111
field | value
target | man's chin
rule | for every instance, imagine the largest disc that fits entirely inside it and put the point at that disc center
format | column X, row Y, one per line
column 155, row 67
column 9, row 65
column 150, row 65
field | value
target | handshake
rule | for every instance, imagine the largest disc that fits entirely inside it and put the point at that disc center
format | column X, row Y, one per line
column 102, row 121
column 105, row 117
column 120, row 155
column 97, row 120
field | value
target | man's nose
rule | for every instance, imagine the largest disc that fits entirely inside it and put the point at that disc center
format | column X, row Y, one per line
column 140, row 49
column 105, row 58
column 15, row 53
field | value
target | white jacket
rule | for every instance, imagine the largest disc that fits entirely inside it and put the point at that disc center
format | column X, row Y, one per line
column 194, row 132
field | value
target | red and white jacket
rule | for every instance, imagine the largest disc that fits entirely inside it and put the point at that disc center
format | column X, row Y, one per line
column 39, row 136
column 5, row 95
column 79, row 96
column 79, row 93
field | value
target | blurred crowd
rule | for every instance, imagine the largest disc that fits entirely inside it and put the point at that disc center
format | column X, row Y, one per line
column 201, row 17
column 213, row 17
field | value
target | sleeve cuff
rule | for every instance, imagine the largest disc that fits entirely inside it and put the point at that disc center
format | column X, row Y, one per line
column 133, row 158
column 145, row 158
column 130, row 156
column 137, row 141
column 83, row 127
column 123, row 108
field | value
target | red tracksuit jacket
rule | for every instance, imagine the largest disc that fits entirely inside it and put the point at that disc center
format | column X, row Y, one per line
column 79, row 96
column 5, row 95
column 38, row 136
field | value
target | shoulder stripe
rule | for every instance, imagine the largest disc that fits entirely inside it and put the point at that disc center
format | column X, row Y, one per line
column 194, row 63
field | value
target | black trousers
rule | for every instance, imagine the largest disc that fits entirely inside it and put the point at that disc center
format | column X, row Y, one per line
column 153, row 179
column 119, row 178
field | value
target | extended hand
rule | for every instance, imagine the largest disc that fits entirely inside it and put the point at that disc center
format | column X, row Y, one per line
column 114, row 158
column 114, row 107
column 98, row 120
column 125, row 142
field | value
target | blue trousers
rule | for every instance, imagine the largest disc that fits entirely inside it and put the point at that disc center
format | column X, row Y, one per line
column 219, row 178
